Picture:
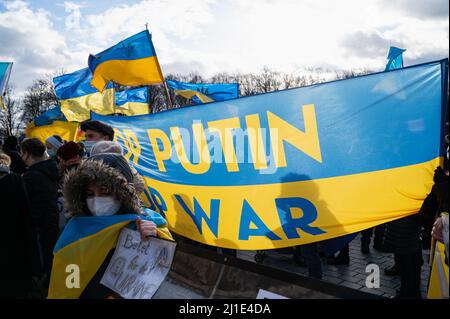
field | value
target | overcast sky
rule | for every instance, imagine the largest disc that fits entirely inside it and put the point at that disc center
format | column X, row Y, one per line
column 210, row 36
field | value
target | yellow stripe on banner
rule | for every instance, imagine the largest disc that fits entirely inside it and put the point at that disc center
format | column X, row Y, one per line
column 67, row 130
column 354, row 203
column 132, row 108
column 78, row 109
column 88, row 254
column 144, row 71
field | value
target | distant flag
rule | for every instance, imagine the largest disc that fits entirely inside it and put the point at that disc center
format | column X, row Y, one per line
column 201, row 93
column 52, row 115
column 131, row 62
column 78, row 97
column 5, row 72
column 132, row 102
column 50, row 123
column 395, row 58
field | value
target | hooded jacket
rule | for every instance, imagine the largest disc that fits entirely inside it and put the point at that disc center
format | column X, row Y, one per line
column 100, row 173
column 110, row 179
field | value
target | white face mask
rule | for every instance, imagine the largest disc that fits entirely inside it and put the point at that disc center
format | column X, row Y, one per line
column 103, row 206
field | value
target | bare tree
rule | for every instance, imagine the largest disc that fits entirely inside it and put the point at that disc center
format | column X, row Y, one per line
column 10, row 116
column 38, row 98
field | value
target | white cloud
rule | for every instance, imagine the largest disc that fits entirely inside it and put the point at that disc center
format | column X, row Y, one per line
column 211, row 36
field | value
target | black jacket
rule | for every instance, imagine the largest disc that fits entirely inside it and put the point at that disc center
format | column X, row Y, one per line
column 17, row 241
column 402, row 236
column 41, row 181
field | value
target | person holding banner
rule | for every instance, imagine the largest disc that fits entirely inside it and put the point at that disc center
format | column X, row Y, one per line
column 101, row 187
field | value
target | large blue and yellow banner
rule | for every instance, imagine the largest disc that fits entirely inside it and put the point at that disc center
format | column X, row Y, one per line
column 294, row 166
column 78, row 97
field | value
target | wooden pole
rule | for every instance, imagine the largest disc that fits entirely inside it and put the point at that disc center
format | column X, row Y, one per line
column 168, row 95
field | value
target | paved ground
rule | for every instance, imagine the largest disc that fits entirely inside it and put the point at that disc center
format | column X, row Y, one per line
column 352, row 275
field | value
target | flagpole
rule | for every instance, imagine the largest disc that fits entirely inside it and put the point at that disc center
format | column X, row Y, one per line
column 169, row 99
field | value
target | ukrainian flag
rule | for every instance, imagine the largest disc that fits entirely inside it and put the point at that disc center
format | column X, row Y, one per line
column 78, row 97
column 395, row 58
column 5, row 72
column 85, row 242
column 132, row 102
column 132, row 62
column 200, row 93
column 50, row 123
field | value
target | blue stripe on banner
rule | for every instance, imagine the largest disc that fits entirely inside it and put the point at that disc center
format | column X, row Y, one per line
column 370, row 123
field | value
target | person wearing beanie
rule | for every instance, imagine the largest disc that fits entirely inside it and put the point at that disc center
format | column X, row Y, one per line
column 69, row 156
column 105, row 147
column 53, row 143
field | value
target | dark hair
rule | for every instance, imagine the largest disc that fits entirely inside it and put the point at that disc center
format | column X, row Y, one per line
column 11, row 143
column 59, row 138
column 33, row 146
column 98, row 126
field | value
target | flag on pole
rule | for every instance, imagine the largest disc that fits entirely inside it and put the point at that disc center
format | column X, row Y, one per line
column 131, row 62
column 395, row 58
column 201, row 93
column 5, row 72
column 78, row 97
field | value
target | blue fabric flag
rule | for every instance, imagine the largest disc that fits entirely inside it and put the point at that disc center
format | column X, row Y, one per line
column 395, row 58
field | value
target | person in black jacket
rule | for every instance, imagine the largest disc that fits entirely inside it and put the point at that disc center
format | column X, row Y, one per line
column 41, row 182
column 11, row 149
column 403, row 236
column 18, row 244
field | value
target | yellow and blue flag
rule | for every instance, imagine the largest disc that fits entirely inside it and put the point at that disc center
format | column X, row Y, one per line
column 200, row 93
column 132, row 101
column 5, row 72
column 52, row 122
column 395, row 58
column 295, row 166
column 131, row 62
column 85, row 242
column 78, row 97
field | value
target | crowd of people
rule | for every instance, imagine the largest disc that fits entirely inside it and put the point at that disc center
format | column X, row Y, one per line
column 43, row 185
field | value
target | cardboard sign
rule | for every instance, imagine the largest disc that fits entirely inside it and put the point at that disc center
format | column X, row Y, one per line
column 138, row 268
